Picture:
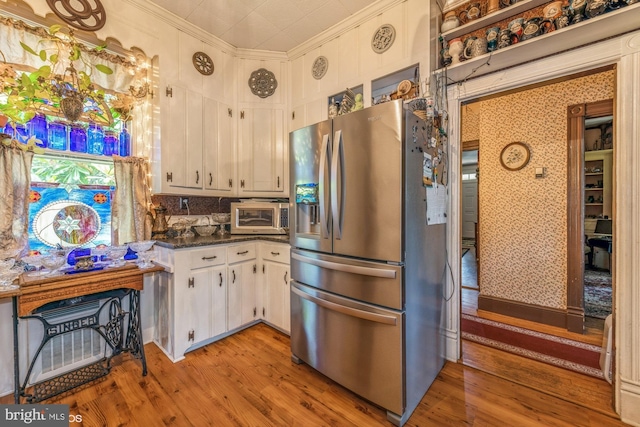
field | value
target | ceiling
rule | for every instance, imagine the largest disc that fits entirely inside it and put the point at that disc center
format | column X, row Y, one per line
column 277, row 25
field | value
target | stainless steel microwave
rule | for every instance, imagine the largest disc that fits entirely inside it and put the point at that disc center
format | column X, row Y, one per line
column 259, row 218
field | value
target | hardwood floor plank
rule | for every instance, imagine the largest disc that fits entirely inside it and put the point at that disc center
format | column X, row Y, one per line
column 248, row 379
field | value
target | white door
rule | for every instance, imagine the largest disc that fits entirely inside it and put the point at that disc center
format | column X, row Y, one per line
column 469, row 201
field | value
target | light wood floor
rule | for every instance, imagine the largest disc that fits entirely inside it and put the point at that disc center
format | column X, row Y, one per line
column 249, row 379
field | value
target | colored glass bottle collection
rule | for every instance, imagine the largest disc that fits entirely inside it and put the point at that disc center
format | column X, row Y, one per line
column 58, row 135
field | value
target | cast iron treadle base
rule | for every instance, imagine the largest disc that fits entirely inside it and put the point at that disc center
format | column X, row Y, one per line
column 60, row 384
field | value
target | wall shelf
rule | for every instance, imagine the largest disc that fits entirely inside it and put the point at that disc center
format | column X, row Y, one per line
column 610, row 24
column 487, row 20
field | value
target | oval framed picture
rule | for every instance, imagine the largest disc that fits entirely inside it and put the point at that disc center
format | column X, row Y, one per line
column 515, row 156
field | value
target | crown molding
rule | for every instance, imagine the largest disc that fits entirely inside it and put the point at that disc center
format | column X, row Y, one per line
column 181, row 24
column 261, row 54
column 343, row 27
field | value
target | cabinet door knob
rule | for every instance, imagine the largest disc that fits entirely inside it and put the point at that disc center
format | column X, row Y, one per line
column 210, row 178
column 285, row 277
column 233, row 272
column 209, row 258
column 242, row 253
column 220, row 279
column 197, row 177
column 192, row 283
column 275, row 253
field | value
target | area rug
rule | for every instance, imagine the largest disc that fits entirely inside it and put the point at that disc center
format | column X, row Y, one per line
column 597, row 294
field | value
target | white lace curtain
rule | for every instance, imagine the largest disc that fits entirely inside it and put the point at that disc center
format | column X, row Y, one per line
column 130, row 218
column 15, row 180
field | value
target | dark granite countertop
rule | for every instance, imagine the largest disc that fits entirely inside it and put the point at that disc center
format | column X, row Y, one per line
column 215, row 239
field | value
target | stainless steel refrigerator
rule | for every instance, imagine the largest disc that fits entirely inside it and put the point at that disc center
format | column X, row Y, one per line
column 367, row 271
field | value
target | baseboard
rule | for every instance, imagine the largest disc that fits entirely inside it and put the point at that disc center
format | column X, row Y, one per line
column 535, row 313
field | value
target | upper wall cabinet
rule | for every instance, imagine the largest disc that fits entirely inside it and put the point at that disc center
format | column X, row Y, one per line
column 263, row 165
column 182, row 138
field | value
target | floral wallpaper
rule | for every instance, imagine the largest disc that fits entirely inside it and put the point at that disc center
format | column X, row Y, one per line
column 523, row 220
column 470, row 119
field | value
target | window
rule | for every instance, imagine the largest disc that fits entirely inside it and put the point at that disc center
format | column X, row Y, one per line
column 70, row 202
column 468, row 176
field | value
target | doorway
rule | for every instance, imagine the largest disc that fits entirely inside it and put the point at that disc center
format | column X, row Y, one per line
column 590, row 215
column 469, row 193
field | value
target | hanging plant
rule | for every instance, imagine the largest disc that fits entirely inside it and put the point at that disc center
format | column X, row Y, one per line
column 69, row 93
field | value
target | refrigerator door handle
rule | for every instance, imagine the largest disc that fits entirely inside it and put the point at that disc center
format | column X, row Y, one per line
column 325, row 152
column 337, row 208
column 354, row 269
column 373, row 317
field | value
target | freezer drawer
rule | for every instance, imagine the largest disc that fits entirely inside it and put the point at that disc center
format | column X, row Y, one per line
column 372, row 282
column 357, row 345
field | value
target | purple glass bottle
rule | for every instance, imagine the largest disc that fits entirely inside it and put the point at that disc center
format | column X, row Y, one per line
column 78, row 139
column 110, row 143
column 57, row 136
column 125, row 141
column 95, row 139
column 39, row 128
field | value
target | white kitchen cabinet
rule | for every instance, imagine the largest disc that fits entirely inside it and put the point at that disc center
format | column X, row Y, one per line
column 207, row 293
column 275, row 284
column 241, row 293
column 182, row 135
column 262, row 152
column 219, row 146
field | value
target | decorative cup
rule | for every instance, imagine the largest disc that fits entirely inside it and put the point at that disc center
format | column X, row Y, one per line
column 515, row 28
column 504, row 38
column 492, row 38
column 531, row 29
column 564, row 20
column 547, row 26
column 479, row 47
column 595, row 8
column 467, row 53
column 552, row 10
column 473, row 11
column 450, row 22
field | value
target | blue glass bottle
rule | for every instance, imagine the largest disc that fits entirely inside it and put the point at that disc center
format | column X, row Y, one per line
column 110, row 143
column 125, row 141
column 95, row 139
column 39, row 128
column 17, row 131
column 58, row 136
column 78, row 139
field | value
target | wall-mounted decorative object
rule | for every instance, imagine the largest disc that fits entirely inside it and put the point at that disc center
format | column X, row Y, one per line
column 320, row 67
column 515, row 156
column 203, row 63
column 383, row 38
column 90, row 15
column 263, row 83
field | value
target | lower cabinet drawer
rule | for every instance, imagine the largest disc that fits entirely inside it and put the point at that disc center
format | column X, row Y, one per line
column 208, row 256
column 277, row 253
column 239, row 253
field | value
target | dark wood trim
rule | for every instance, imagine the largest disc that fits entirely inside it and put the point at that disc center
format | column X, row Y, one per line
column 575, row 216
column 576, row 115
column 471, row 145
column 535, row 313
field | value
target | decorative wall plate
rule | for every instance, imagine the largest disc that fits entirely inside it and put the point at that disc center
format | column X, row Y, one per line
column 383, row 38
column 515, row 156
column 203, row 63
column 88, row 15
column 320, row 67
column 263, row 83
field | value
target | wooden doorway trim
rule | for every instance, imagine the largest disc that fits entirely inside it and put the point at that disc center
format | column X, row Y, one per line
column 576, row 115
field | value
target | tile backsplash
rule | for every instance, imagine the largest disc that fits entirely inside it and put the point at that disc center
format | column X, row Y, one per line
column 197, row 205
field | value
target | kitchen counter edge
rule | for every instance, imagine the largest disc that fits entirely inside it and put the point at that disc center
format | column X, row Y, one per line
column 198, row 241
